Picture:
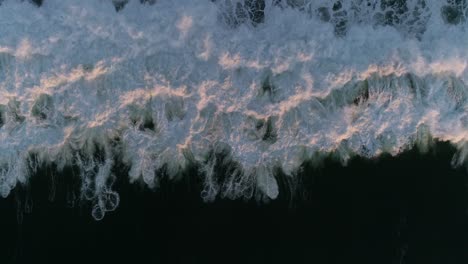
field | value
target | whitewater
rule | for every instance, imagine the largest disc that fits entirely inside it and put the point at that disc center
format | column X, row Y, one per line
column 254, row 86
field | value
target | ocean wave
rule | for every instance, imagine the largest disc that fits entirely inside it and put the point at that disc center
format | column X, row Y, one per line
column 167, row 84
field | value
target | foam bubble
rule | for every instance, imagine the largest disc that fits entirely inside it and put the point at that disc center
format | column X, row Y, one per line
column 237, row 88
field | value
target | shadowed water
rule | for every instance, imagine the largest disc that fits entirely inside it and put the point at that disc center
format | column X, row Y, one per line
column 405, row 209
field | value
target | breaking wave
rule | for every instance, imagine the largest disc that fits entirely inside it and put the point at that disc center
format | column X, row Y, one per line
column 253, row 86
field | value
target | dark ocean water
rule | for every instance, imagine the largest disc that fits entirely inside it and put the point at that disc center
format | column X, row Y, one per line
column 298, row 77
column 406, row 209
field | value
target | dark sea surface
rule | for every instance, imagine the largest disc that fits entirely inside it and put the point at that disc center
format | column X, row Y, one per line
column 98, row 84
column 406, row 209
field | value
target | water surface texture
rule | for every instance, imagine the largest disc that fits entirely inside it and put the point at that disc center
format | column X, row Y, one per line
column 253, row 87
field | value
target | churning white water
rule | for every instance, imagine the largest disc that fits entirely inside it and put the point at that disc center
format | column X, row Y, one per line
column 268, row 84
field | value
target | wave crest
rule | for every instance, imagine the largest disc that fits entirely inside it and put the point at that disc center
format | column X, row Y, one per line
column 163, row 87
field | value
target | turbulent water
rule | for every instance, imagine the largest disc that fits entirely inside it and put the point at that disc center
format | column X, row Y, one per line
column 246, row 84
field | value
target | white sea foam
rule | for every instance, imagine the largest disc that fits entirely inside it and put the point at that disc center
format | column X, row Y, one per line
column 177, row 82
